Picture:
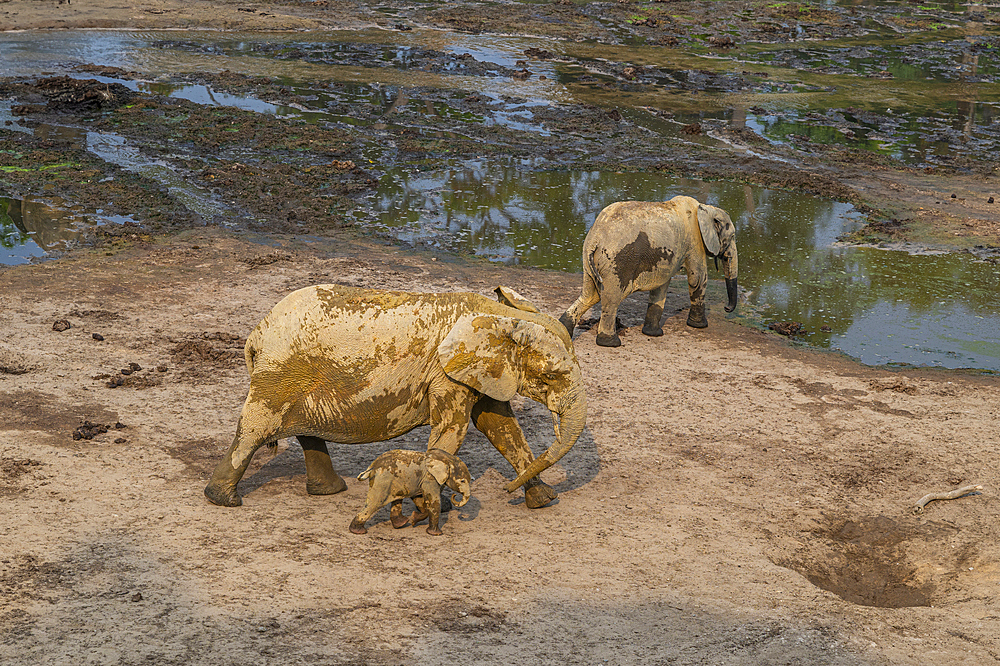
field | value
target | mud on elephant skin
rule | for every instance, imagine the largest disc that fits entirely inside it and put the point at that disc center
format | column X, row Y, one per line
column 639, row 246
column 399, row 474
column 340, row 364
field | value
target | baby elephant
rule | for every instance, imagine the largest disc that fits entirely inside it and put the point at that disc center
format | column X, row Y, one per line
column 399, row 473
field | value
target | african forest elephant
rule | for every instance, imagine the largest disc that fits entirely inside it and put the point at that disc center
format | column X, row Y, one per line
column 349, row 365
column 398, row 474
column 639, row 246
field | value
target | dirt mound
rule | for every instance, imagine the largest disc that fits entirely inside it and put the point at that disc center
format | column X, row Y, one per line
column 76, row 95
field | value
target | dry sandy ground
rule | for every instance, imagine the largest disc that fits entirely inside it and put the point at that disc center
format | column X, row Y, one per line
column 720, row 473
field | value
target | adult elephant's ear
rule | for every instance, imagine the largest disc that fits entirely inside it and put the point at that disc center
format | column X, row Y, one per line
column 709, row 234
column 511, row 298
column 479, row 352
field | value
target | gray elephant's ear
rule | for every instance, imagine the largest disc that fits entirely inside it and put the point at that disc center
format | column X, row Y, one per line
column 709, row 234
column 479, row 352
column 511, row 298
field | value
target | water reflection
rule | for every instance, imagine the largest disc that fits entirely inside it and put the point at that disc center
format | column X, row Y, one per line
column 879, row 306
column 33, row 228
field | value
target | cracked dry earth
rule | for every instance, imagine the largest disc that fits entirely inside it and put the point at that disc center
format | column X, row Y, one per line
column 733, row 500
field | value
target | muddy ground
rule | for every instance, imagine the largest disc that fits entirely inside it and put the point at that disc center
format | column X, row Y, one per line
column 734, row 500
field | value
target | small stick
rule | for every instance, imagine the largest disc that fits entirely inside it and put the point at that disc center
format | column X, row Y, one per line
column 950, row 495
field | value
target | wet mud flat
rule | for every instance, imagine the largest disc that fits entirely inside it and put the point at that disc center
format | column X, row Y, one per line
column 639, row 115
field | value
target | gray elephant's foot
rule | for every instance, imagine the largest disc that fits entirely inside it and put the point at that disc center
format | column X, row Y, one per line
column 697, row 318
column 539, row 495
column 567, row 321
column 417, row 516
column 434, row 531
column 652, row 326
column 608, row 340
column 358, row 527
column 326, row 486
column 222, row 497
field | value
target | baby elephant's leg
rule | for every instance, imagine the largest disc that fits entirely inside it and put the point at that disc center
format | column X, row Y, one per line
column 421, row 512
column 432, row 506
column 378, row 495
column 396, row 516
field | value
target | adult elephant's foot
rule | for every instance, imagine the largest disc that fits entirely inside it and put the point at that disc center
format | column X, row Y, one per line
column 222, row 496
column 696, row 317
column 608, row 340
column 321, row 479
column 358, row 527
column 326, row 486
column 567, row 321
column 538, row 495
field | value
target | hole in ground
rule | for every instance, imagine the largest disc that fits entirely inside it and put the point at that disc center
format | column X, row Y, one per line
column 866, row 562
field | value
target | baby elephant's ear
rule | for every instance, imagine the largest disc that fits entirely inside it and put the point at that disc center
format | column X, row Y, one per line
column 706, row 222
column 511, row 298
column 479, row 352
column 439, row 469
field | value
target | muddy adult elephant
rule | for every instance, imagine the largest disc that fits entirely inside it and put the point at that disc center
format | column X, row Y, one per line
column 639, row 246
column 347, row 365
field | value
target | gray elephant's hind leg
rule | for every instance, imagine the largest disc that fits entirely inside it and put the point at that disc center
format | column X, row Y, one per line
column 657, row 298
column 607, row 329
column 588, row 299
column 321, row 479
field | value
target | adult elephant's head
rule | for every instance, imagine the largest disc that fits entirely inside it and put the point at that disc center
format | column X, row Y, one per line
column 719, row 234
column 500, row 356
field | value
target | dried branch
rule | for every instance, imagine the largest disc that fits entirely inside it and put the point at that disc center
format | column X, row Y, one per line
column 950, row 495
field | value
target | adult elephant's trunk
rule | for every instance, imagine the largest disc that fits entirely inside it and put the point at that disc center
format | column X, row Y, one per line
column 572, row 417
column 730, row 268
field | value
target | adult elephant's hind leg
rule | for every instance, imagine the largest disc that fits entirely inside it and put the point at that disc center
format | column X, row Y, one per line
column 657, row 298
column 321, row 479
column 496, row 420
column 221, row 489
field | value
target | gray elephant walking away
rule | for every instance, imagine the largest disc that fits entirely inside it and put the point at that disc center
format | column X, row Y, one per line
column 398, row 474
column 340, row 364
column 639, row 246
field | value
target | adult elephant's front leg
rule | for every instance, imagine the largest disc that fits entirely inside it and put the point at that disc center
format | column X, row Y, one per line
column 496, row 420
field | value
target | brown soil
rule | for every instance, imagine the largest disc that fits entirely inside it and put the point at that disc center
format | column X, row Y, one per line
column 734, row 500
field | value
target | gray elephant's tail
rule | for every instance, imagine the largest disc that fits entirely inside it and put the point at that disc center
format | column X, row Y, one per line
column 593, row 273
